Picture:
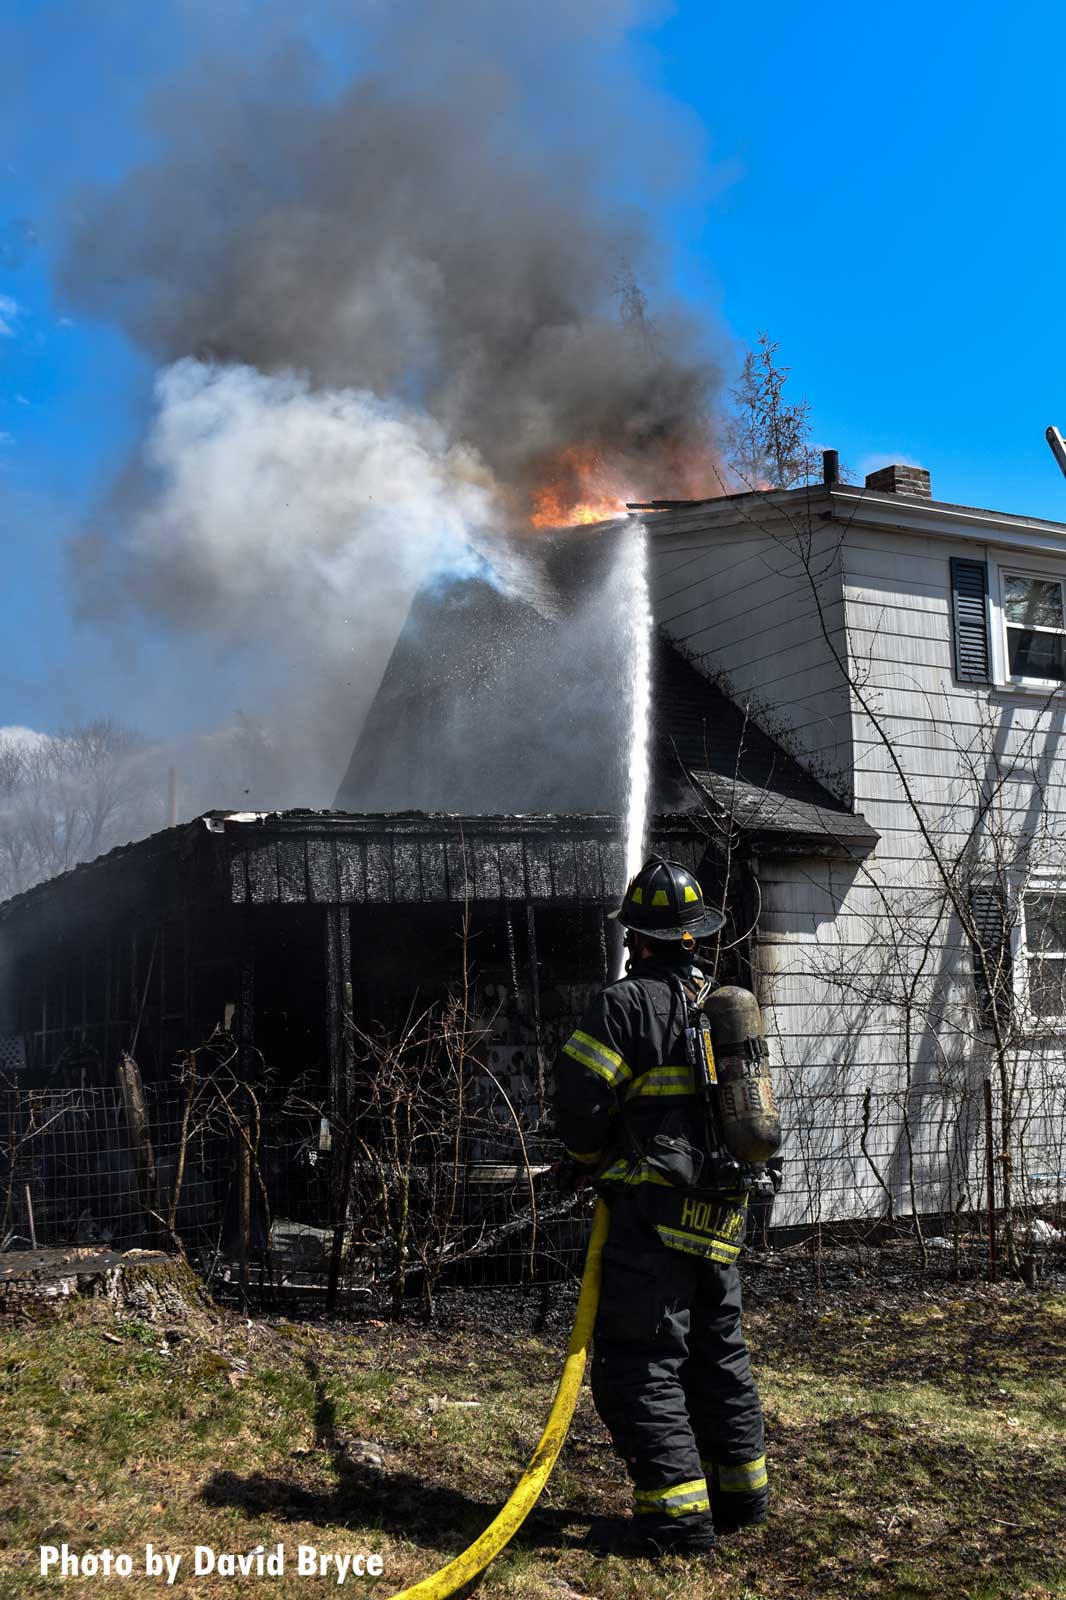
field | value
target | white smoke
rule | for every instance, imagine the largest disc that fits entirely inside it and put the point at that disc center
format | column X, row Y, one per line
column 296, row 524
column 271, row 492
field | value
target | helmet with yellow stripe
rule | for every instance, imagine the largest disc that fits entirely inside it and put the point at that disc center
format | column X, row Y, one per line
column 665, row 902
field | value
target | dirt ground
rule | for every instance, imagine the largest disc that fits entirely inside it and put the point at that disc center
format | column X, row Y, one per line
column 916, row 1437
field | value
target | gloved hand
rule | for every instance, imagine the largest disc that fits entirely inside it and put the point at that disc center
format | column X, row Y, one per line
column 569, row 1175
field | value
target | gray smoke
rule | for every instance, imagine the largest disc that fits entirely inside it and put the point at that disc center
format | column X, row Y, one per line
column 387, row 315
column 492, row 702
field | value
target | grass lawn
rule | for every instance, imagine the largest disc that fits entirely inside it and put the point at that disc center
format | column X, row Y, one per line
column 917, row 1448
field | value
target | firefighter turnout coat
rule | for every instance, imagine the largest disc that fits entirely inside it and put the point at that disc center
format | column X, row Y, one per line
column 671, row 1377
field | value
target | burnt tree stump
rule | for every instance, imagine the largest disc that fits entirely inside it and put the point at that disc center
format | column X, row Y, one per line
column 149, row 1284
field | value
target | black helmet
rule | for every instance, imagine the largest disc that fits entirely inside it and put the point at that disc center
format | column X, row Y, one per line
column 665, row 902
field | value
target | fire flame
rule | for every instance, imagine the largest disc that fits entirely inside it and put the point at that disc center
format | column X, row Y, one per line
column 579, row 490
column 580, row 484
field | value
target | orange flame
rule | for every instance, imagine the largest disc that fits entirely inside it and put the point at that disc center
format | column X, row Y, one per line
column 579, row 490
column 582, row 485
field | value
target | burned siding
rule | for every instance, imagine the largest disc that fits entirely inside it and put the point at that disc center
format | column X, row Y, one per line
column 358, row 862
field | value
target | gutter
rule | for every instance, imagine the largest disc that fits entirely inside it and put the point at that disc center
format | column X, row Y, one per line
column 857, row 507
column 870, row 508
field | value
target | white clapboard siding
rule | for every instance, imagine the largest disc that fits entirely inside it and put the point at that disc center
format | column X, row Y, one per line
column 835, row 942
column 739, row 603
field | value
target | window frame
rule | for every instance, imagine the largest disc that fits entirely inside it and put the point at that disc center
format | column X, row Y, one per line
column 1004, row 564
column 1032, row 1022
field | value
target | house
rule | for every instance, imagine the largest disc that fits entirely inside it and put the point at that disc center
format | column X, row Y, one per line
column 911, row 655
column 280, row 950
column 856, row 710
column 301, row 934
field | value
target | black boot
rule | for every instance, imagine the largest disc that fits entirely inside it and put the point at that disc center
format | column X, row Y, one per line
column 625, row 1536
column 737, row 1511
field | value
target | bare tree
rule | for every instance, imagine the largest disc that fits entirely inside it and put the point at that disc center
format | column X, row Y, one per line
column 767, row 440
column 70, row 797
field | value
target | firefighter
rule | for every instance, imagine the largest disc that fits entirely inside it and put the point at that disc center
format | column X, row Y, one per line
column 671, row 1377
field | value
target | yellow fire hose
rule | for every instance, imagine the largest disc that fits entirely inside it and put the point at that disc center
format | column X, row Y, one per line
column 502, row 1529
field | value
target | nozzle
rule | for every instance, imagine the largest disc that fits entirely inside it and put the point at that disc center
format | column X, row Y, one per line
column 1058, row 447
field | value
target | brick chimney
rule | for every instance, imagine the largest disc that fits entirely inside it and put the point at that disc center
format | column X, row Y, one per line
column 901, row 479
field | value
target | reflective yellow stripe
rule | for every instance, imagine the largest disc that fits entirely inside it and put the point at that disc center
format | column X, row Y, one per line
column 677, row 1500
column 662, row 1080
column 742, row 1478
column 710, row 1249
column 588, row 1160
column 607, row 1063
column 604, row 1050
column 620, row 1172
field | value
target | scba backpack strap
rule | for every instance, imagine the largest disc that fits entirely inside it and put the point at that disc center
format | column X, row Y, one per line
column 669, row 1153
column 699, row 1046
column 673, row 1156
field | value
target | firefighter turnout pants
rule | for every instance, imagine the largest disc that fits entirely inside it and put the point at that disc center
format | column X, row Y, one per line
column 672, row 1380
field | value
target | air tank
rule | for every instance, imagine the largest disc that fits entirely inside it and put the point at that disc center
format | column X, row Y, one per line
column 750, row 1123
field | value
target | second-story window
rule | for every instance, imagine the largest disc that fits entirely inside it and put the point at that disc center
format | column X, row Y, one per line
column 1034, row 618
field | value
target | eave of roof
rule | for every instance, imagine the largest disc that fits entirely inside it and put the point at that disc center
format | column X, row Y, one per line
column 914, row 514
column 769, row 823
column 856, row 505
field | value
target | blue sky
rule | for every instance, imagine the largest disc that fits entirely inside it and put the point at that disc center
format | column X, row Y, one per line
column 880, row 190
column 897, row 222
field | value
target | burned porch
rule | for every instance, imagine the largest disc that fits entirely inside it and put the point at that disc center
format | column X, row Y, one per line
column 282, row 953
column 274, row 927
column 258, row 970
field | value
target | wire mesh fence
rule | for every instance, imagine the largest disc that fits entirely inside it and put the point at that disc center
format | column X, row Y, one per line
column 277, row 1204
column 934, row 1161
column 71, row 1172
column 274, row 1201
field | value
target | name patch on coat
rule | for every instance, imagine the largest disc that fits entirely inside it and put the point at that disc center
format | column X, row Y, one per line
column 704, row 1216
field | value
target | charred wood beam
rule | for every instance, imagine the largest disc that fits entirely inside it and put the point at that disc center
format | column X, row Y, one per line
column 244, row 1208
column 132, row 1089
column 338, row 952
column 109, row 979
column 534, row 992
column 246, row 1006
column 611, row 937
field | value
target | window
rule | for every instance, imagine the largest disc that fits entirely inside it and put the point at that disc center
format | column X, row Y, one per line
column 1044, row 932
column 1034, row 623
column 1009, row 621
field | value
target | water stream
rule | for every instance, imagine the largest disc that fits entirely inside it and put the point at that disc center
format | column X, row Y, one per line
column 636, row 600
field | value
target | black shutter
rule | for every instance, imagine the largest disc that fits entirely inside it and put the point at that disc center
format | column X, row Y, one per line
column 969, row 614
column 992, row 963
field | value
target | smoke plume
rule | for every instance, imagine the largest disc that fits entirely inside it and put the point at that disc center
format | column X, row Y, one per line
column 392, row 319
